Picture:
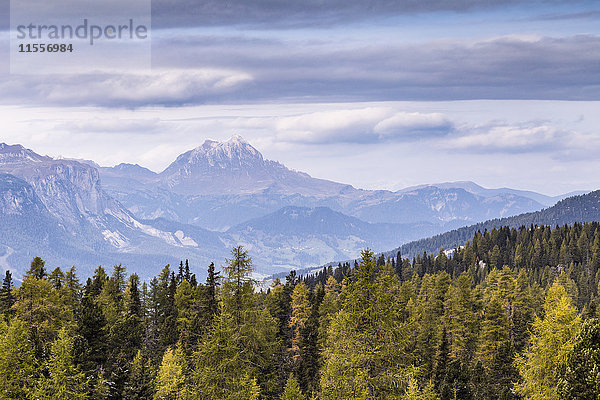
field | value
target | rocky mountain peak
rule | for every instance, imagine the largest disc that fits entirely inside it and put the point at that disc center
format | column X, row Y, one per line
column 17, row 154
column 235, row 155
column 234, row 151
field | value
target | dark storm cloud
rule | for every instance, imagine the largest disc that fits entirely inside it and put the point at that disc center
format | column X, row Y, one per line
column 508, row 68
column 209, row 70
column 592, row 14
column 285, row 13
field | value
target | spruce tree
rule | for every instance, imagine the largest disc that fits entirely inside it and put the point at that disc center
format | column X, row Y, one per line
column 36, row 269
column 140, row 385
column 579, row 377
column 6, row 295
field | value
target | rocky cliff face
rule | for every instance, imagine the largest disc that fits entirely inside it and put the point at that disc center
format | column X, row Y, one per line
column 70, row 190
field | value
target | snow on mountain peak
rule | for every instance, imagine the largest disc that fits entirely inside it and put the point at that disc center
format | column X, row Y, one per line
column 214, row 153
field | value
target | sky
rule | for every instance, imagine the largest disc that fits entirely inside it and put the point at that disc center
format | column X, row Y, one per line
column 381, row 95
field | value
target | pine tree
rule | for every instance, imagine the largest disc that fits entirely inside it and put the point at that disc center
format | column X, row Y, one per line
column 212, row 284
column 188, row 316
column 495, row 349
column 551, row 340
column 239, row 285
column 91, row 328
column 460, row 308
column 36, row 269
column 522, row 312
column 238, row 355
column 140, row 385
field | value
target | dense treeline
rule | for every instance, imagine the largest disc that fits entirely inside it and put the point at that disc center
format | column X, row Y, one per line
column 584, row 208
column 510, row 315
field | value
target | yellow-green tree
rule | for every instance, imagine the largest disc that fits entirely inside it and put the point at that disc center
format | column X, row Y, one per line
column 300, row 313
column 18, row 369
column 170, row 380
column 413, row 392
column 65, row 381
column 550, row 342
column 365, row 355
column 292, row 390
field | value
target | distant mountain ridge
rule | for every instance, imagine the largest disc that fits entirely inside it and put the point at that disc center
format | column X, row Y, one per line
column 579, row 208
column 474, row 188
column 211, row 198
column 222, row 184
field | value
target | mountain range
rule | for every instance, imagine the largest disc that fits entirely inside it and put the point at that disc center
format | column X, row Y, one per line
column 211, row 198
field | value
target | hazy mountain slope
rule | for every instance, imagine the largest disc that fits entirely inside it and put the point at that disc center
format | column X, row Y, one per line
column 128, row 214
column 300, row 236
column 474, row 188
column 582, row 208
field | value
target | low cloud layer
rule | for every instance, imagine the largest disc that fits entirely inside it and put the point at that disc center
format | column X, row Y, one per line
column 368, row 125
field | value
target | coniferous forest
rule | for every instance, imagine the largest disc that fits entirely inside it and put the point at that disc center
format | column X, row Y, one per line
column 513, row 314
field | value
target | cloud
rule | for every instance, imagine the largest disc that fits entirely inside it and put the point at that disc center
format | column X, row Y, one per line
column 113, row 89
column 285, row 14
column 115, row 125
column 412, row 124
column 363, row 125
column 501, row 68
column 193, row 68
column 542, row 138
column 509, row 139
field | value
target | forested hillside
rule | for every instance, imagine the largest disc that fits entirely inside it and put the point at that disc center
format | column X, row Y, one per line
column 582, row 208
column 511, row 315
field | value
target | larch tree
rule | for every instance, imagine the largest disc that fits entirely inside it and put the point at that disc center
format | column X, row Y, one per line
column 551, row 340
column 65, row 381
column 365, row 356
column 292, row 390
column 18, row 365
column 301, row 310
column 171, row 377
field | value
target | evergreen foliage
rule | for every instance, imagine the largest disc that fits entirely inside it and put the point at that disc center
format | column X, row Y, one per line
column 499, row 318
